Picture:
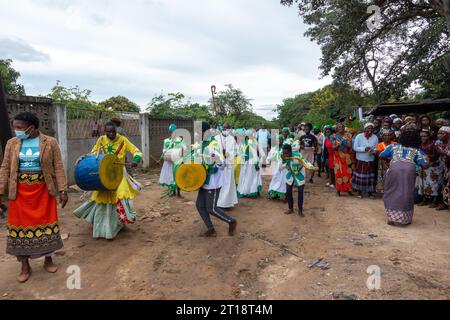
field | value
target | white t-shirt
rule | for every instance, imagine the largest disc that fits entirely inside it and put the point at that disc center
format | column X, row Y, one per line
column 263, row 137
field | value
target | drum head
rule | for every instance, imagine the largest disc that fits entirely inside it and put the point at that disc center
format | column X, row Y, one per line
column 190, row 176
column 111, row 172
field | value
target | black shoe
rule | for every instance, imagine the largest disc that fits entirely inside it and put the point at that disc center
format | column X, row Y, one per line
column 209, row 234
column 232, row 228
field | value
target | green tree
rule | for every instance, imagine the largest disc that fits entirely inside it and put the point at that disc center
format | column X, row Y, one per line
column 166, row 106
column 119, row 103
column 410, row 42
column 232, row 101
column 247, row 119
column 10, row 77
column 196, row 111
column 293, row 110
column 323, row 106
column 72, row 97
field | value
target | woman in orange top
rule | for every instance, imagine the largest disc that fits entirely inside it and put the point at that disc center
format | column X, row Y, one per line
column 383, row 164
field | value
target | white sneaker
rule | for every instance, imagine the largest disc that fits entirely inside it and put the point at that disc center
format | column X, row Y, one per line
column 328, row 184
column 331, row 185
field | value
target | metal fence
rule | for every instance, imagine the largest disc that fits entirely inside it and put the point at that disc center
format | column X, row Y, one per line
column 89, row 123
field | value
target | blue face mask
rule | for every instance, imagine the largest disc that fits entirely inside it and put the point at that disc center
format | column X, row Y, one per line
column 22, row 135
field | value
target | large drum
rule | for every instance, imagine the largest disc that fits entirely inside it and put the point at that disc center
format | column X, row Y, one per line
column 190, row 176
column 173, row 155
column 98, row 172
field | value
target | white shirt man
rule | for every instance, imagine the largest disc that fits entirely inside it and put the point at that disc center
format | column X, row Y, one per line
column 263, row 137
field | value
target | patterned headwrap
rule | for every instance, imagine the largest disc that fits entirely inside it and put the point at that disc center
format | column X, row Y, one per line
column 369, row 124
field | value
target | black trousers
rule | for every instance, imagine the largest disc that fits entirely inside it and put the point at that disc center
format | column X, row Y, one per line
column 207, row 205
column 290, row 198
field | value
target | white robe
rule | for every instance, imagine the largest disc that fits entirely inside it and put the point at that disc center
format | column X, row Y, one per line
column 228, row 195
column 166, row 178
column 278, row 183
column 250, row 181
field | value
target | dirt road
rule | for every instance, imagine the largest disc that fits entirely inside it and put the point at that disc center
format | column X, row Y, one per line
column 162, row 257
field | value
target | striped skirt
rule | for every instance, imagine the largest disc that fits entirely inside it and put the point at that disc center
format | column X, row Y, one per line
column 364, row 177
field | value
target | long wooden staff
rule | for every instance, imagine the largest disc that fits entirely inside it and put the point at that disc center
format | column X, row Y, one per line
column 213, row 93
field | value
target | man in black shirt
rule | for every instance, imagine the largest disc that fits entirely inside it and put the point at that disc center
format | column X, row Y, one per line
column 308, row 146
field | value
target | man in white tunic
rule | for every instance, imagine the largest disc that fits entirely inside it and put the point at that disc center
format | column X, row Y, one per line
column 228, row 148
column 263, row 137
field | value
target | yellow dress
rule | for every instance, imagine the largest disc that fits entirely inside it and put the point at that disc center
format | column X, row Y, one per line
column 120, row 146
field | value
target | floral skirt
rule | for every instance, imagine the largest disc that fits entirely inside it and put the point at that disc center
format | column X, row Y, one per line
column 33, row 229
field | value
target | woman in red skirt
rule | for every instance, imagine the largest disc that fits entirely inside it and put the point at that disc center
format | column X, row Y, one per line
column 343, row 159
column 33, row 173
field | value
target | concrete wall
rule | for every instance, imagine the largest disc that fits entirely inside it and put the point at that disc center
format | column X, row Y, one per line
column 78, row 147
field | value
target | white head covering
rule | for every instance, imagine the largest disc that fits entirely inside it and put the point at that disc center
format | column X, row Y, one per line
column 445, row 129
column 397, row 120
column 369, row 124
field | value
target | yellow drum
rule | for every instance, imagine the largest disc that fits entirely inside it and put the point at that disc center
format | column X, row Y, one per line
column 190, row 176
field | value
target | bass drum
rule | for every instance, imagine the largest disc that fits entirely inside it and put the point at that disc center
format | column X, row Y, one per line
column 190, row 176
column 98, row 172
column 173, row 155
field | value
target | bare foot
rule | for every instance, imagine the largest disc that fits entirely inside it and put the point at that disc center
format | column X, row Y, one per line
column 49, row 266
column 300, row 213
column 290, row 211
column 25, row 273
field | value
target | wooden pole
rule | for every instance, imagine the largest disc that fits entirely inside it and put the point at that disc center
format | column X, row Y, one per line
column 213, row 93
column 5, row 128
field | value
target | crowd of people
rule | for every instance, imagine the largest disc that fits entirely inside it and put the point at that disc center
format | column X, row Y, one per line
column 404, row 159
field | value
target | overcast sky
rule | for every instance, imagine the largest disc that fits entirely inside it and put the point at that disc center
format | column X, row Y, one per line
column 138, row 48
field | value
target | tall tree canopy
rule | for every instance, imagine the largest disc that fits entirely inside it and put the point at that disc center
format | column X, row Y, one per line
column 232, row 102
column 10, row 77
column 119, row 103
column 384, row 51
column 321, row 106
column 72, row 97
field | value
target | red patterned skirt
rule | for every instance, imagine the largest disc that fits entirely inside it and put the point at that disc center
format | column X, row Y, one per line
column 33, row 229
column 343, row 171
